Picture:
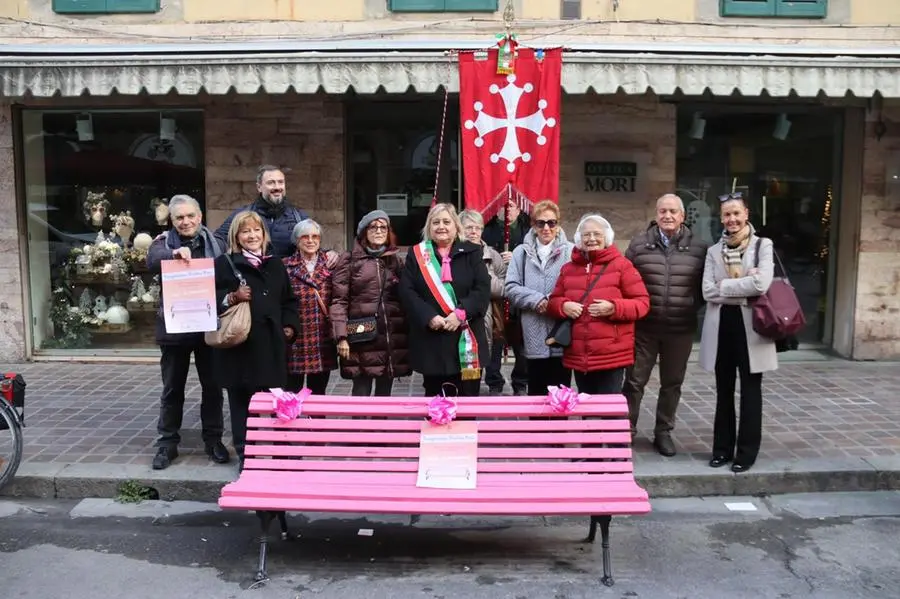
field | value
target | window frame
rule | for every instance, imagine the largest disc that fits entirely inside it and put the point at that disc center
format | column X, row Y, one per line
column 402, row 6
column 98, row 7
column 777, row 9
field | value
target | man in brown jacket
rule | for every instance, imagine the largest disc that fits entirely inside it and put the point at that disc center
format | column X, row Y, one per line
column 670, row 259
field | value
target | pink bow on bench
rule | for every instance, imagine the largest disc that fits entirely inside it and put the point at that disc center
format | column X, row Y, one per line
column 562, row 399
column 287, row 405
column 442, row 410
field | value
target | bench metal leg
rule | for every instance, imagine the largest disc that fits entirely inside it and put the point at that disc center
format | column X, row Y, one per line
column 592, row 532
column 604, row 544
column 265, row 520
column 282, row 519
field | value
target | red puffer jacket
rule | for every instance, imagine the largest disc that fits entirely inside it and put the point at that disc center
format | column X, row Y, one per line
column 602, row 343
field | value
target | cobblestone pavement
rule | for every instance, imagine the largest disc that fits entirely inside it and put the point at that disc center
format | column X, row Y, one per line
column 106, row 413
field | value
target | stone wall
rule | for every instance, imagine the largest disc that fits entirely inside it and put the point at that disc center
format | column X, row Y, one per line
column 877, row 330
column 302, row 133
column 616, row 129
column 12, row 315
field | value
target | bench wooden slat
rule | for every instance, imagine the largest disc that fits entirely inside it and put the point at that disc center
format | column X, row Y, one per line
column 363, row 451
column 520, row 492
column 503, row 508
column 413, row 466
column 413, row 438
column 414, row 410
column 263, row 401
column 415, row 424
column 271, row 480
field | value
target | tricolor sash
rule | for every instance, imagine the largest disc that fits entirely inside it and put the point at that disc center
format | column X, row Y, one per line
column 430, row 267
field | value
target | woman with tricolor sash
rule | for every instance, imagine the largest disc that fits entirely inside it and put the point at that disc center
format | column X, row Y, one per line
column 446, row 290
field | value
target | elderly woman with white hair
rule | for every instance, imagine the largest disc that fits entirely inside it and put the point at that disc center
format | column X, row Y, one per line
column 473, row 226
column 602, row 294
column 313, row 354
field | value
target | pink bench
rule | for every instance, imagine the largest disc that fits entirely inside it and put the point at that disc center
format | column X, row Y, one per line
column 333, row 463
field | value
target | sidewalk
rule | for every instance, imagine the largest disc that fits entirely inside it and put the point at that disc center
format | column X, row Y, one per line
column 828, row 425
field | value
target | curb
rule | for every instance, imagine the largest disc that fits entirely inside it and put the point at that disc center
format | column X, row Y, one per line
column 682, row 476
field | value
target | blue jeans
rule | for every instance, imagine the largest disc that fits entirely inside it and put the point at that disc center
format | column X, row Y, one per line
column 493, row 377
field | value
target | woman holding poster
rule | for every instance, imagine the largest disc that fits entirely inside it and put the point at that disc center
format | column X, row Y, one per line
column 446, row 290
column 246, row 274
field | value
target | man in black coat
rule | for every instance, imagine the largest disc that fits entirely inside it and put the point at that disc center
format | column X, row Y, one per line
column 187, row 239
column 670, row 259
column 277, row 213
column 493, row 235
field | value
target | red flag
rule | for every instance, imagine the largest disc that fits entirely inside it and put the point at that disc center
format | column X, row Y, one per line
column 510, row 132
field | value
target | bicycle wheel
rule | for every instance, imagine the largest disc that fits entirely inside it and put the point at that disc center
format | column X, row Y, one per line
column 10, row 443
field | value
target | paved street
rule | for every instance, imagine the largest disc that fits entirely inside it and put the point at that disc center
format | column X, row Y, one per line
column 822, row 546
column 106, row 413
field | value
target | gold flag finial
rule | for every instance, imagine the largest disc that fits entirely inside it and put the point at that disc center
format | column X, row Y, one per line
column 509, row 15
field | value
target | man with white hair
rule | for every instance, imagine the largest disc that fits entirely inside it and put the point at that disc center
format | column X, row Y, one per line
column 187, row 239
column 670, row 259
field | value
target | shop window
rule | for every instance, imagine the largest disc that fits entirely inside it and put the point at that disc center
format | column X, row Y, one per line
column 96, row 185
column 393, row 159
column 443, row 5
column 787, row 165
column 806, row 9
column 104, row 6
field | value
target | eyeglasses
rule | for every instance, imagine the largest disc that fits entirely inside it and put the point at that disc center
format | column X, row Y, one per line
column 738, row 195
column 312, row 237
column 540, row 224
column 592, row 235
column 377, row 228
column 473, row 228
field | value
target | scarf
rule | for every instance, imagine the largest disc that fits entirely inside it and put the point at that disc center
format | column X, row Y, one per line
column 203, row 245
column 544, row 251
column 376, row 252
column 733, row 247
column 255, row 260
column 446, row 273
column 269, row 210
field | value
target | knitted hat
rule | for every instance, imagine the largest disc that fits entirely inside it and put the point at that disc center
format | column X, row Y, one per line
column 371, row 218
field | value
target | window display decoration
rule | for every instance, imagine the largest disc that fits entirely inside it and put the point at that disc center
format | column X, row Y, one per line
column 96, row 207
column 101, row 261
column 140, row 299
column 159, row 207
column 123, row 227
column 70, row 323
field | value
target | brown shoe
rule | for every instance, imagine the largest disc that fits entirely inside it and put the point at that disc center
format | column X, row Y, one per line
column 664, row 445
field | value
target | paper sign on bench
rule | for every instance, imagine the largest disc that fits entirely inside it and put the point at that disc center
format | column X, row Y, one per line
column 448, row 456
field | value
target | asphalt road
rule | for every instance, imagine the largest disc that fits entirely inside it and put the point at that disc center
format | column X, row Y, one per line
column 823, row 546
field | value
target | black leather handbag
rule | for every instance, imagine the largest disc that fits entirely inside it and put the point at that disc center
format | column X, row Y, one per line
column 561, row 333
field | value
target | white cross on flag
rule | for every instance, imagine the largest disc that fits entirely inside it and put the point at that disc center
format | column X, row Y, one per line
column 510, row 132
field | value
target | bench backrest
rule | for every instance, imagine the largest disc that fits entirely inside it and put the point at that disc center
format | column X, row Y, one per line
column 381, row 434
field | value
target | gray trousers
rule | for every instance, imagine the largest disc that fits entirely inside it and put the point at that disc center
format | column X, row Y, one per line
column 673, row 351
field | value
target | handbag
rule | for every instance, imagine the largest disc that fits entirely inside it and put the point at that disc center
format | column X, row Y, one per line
column 365, row 329
column 561, row 333
column 777, row 314
column 234, row 323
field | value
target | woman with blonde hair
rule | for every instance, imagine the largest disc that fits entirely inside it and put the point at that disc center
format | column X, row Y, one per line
column 446, row 290
column 530, row 279
column 246, row 274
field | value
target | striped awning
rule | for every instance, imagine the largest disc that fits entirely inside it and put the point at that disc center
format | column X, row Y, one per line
column 216, row 73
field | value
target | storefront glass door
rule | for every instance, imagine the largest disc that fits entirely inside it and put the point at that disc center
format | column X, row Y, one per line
column 787, row 165
column 393, row 158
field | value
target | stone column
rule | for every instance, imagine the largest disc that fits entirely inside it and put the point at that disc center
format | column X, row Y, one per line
column 12, row 309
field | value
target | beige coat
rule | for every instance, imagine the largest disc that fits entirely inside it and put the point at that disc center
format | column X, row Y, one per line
column 719, row 289
column 497, row 269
